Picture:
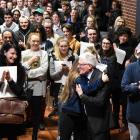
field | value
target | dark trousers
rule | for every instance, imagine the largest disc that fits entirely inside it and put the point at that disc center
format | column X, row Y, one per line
column 43, row 109
column 119, row 98
column 11, row 131
column 99, row 136
column 116, row 105
column 36, row 109
column 69, row 124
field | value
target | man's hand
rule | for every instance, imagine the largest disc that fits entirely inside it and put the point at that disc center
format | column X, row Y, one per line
column 139, row 85
column 21, row 44
column 105, row 77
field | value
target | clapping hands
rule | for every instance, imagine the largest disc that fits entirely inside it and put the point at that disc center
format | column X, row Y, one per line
column 105, row 77
column 6, row 76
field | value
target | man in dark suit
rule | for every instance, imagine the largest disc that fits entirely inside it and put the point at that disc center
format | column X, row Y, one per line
column 97, row 105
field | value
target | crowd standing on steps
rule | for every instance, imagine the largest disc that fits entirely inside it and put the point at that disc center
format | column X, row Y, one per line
column 72, row 46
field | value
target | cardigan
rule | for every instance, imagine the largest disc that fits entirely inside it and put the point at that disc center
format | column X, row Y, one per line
column 38, row 71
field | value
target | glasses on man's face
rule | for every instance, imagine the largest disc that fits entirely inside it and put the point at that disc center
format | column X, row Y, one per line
column 82, row 64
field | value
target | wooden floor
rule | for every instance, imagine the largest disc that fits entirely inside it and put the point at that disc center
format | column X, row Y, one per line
column 50, row 132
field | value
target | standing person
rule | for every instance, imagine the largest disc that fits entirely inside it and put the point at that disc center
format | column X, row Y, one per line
column 9, row 5
column 56, row 19
column 23, row 32
column 92, row 36
column 68, row 33
column 65, row 12
column 8, row 36
column 131, row 87
column 16, row 16
column 74, row 20
column 124, row 43
column 20, row 6
column 61, row 52
column 2, row 10
column 35, row 61
column 113, row 31
column 51, row 35
column 97, row 104
column 90, row 23
column 90, row 12
column 72, row 115
column 31, row 6
column 108, row 57
column 46, row 45
column 38, row 14
column 113, row 12
column 10, row 55
column 8, row 22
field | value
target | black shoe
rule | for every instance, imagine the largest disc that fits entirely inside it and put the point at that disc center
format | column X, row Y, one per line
column 42, row 126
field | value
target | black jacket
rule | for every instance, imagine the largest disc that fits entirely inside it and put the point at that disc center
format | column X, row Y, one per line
column 97, row 106
column 17, row 87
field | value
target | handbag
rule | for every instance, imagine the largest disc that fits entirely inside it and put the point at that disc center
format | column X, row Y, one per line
column 12, row 111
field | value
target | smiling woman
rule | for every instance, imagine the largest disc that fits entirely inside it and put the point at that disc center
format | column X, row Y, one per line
column 62, row 56
column 35, row 61
column 10, row 56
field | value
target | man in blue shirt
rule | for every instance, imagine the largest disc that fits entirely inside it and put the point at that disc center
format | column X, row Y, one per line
column 131, row 86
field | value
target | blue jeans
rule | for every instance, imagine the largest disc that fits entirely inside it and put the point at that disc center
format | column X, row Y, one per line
column 134, row 130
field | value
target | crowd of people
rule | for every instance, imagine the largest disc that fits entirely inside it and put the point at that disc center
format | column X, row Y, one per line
column 72, row 46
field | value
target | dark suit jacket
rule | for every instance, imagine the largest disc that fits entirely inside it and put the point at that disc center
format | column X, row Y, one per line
column 97, row 106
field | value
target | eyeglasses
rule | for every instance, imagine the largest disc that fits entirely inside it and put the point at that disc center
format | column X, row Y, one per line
column 82, row 65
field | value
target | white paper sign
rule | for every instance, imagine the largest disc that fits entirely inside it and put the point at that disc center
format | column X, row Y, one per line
column 84, row 45
column 5, row 91
column 58, row 66
column 11, row 69
column 101, row 67
column 120, row 54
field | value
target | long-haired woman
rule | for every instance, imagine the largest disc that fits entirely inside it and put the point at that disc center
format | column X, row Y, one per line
column 10, row 55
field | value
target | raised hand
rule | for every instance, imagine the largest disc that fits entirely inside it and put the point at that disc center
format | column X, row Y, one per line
column 7, row 75
column 21, row 44
column 105, row 77
column 3, row 76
